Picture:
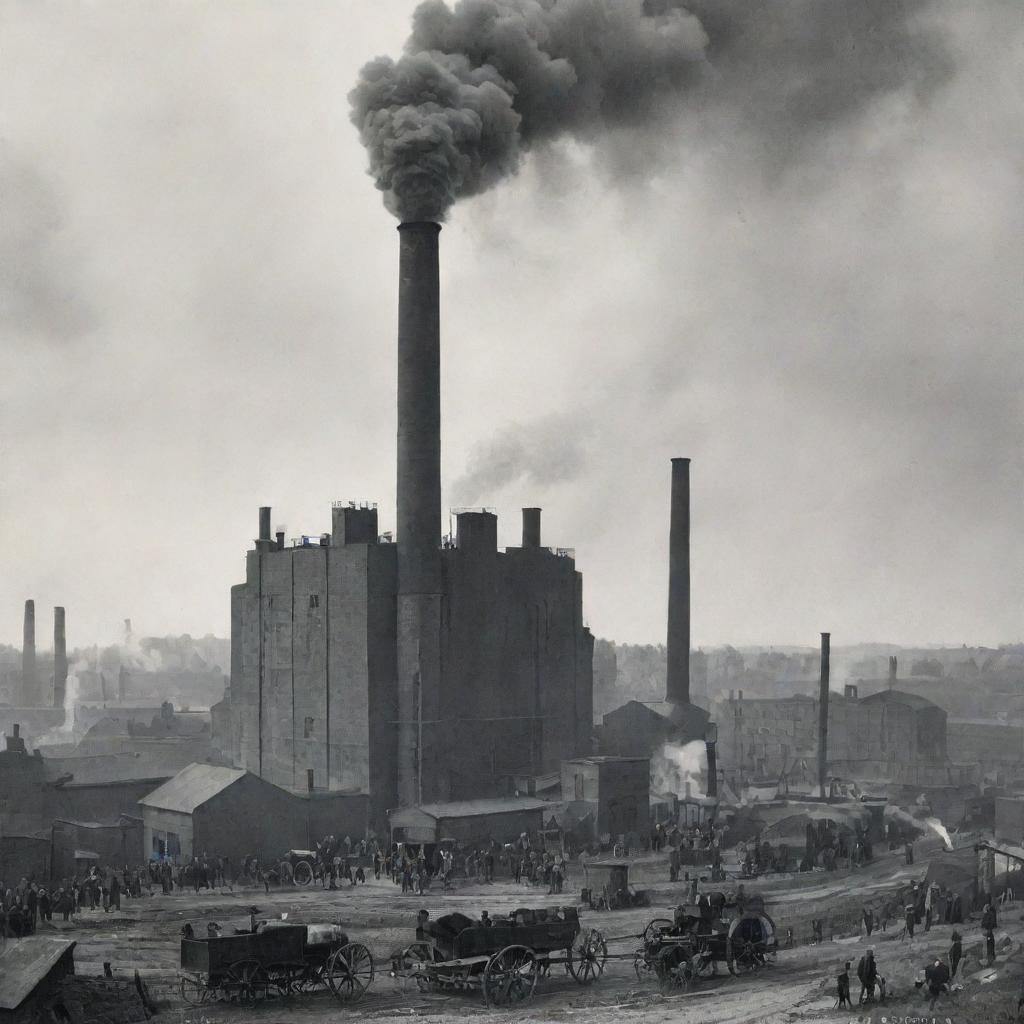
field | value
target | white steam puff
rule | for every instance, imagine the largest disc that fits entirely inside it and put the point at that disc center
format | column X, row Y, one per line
column 483, row 82
column 677, row 765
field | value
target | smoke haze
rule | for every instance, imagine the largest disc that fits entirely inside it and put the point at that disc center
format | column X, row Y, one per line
column 802, row 270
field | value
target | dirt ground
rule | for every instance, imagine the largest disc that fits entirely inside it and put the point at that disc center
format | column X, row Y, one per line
column 144, row 936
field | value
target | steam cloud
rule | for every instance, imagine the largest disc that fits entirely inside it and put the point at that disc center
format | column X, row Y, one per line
column 675, row 765
column 549, row 450
column 484, row 82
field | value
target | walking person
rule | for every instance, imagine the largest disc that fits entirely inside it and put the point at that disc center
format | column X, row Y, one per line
column 937, row 977
column 869, row 920
column 843, row 988
column 867, row 974
column 956, row 954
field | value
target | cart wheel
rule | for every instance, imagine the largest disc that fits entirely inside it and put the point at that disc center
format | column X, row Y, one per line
column 193, row 989
column 247, row 980
column 586, row 957
column 349, row 972
column 510, row 976
column 741, row 957
column 653, row 929
column 302, row 873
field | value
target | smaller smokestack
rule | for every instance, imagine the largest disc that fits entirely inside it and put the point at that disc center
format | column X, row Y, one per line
column 60, row 658
column 29, row 695
column 677, row 683
column 531, row 527
column 279, row 537
column 823, row 692
column 892, row 671
column 711, row 747
column 265, row 522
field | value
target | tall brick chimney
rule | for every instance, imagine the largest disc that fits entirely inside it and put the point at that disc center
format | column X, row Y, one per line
column 29, row 680
column 419, row 508
column 677, row 686
column 60, row 658
column 823, row 694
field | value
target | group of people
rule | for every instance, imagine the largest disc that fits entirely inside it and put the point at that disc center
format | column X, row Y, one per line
column 869, row 977
column 24, row 905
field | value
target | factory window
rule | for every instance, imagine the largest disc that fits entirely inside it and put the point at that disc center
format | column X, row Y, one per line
column 314, row 600
column 307, row 728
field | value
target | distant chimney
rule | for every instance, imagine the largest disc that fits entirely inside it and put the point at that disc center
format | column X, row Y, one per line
column 29, row 683
column 823, row 693
column 677, row 686
column 60, row 658
column 279, row 537
column 265, row 522
column 531, row 527
column 892, row 671
column 711, row 748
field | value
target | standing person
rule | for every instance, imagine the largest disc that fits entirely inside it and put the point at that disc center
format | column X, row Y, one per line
column 910, row 919
column 990, row 947
column 376, row 863
column 115, row 891
column 843, row 988
column 956, row 953
column 869, row 920
column 45, row 906
column 937, row 977
column 673, row 864
column 908, row 852
column 489, row 865
column 867, row 974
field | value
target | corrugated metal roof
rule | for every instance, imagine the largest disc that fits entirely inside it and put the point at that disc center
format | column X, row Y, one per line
column 480, row 808
column 192, row 787
column 24, row 963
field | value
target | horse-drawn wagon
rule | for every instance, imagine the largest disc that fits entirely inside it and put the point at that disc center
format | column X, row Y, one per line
column 278, row 958
column 504, row 959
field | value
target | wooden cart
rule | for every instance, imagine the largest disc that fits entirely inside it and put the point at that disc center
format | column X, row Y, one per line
column 278, row 959
column 504, row 960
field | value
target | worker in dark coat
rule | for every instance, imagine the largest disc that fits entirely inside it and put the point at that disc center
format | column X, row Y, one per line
column 867, row 974
column 956, row 953
column 937, row 977
column 843, row 988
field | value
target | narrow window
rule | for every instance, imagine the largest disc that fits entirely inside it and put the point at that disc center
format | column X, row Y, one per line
column 307, row 728
column 314, row 600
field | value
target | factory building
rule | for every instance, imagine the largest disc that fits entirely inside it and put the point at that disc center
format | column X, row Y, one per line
column 313, row 700
column 890, row 735
column 418, row 671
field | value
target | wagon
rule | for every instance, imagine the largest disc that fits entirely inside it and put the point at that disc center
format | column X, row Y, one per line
column 680, row 952
column 609, row 888
column 299, row 866
column 504, row 960
column 277, row 959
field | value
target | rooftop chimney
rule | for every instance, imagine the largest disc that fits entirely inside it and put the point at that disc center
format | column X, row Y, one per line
column 892, row 671
column 531, row 527
column 419, row 498
column 677, row 687
column 29, row 685
column 60, row 658
column 265, row 522
column 823, row 692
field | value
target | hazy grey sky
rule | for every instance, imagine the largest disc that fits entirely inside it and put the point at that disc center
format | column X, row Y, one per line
column 808, row 277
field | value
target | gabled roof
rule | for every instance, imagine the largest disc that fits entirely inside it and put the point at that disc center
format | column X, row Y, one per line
column 192, row 787
column 911, row 700
column 477, row 808
column 24, row 964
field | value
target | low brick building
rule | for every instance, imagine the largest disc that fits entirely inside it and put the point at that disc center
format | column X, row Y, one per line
column 614, row 791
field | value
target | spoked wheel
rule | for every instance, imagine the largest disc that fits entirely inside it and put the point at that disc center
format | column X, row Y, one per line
column 586, row 957
column 510, row 977
column 653, row 929
column 349, row 972
column 302, row 874
column 675, row 972
column 193, row 990
column 741, row 957
column 248, row 982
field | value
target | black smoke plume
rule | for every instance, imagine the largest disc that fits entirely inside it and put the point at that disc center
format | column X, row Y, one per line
column 483, row 82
